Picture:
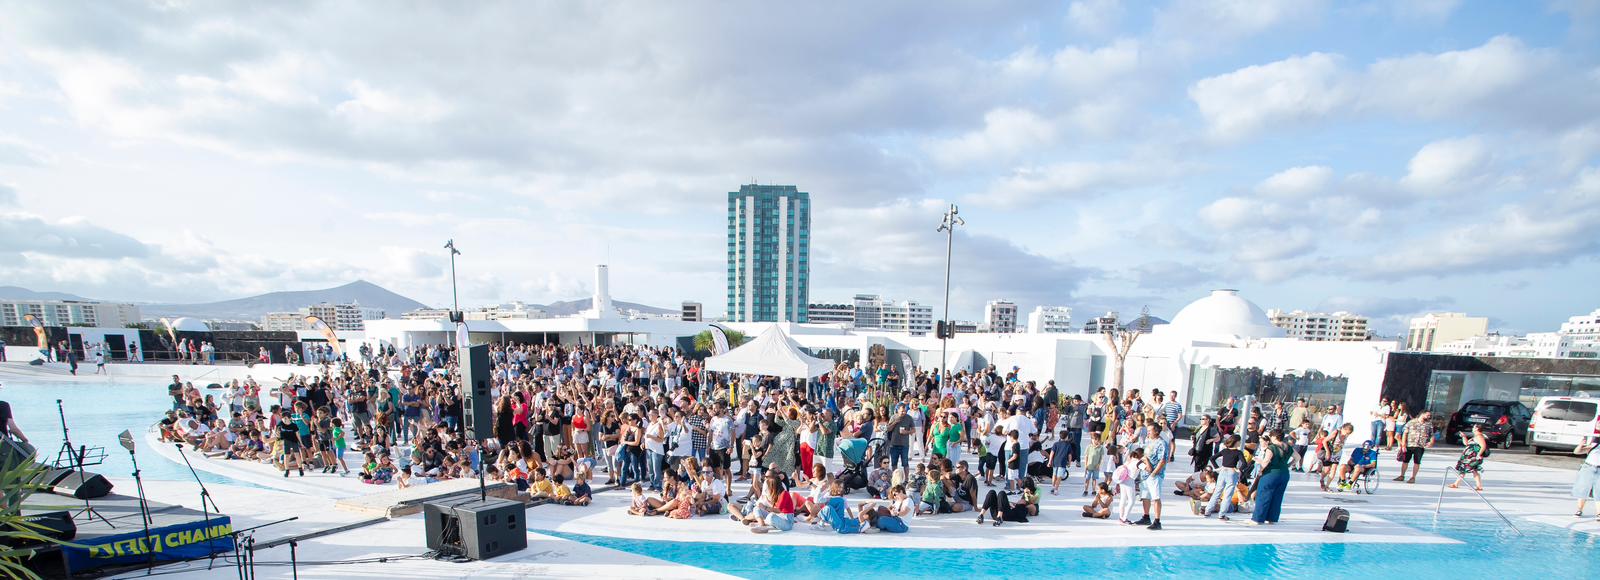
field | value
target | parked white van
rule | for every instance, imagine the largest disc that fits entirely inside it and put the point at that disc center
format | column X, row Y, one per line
column 1563, row 423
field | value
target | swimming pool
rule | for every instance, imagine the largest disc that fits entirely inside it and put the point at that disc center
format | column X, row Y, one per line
column 96, row 413
column 1488, row 550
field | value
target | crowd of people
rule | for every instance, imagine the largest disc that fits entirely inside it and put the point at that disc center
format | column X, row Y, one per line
column 770, row 453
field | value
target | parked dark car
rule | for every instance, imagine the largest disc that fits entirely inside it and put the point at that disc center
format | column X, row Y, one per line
column 1503, row 422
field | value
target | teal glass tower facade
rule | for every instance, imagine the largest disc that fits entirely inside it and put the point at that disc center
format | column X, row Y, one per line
column 769, row 253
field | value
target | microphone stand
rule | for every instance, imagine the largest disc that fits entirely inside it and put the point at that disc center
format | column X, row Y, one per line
column 244, row 548
column 205, row 509
column 144, row 512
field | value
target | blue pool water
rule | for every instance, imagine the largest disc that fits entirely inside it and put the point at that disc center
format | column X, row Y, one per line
column 1489, row 551
column 96, row 413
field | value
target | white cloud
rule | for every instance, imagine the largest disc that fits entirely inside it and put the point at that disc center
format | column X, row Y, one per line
column 1446, row 165
column 1006, row 132
column 1438, row 85
column 1247, row 100
column 1502, row 80
column 1435, row 10
column 1192, row 27
column 67, row 238
column 14, row 151
column 1074, row 178
column 1297, row 181
column 908, row 256
column 8, row 195
column 1549, row 229
column 1095, row 17
column 1229, row 213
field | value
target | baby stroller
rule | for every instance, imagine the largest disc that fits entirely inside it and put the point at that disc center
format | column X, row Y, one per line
column 854, row 454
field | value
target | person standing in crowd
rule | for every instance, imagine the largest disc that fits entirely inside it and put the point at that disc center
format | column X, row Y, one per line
column 1273, row 482
column 1380, row 417
column 1475, row 448
column 1332, row 421
column 900, row 432
column 1418, row 436
column 1157, row 452
column 1205, row 441
column 1585, row 488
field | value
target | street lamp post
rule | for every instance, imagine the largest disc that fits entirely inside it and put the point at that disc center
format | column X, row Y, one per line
column 952, row 219
column 455, row 299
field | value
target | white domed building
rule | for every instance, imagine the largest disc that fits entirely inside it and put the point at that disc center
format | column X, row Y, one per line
column 1224, row 316
column 186, row 324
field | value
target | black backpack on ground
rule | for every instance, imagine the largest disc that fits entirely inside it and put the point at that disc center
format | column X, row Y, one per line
column 1338, row 520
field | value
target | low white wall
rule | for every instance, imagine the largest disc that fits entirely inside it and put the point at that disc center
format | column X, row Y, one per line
column 194, row 373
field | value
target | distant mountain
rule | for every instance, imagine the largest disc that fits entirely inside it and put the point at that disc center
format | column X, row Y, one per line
column 1134, row 324
column 254, row 307
column 19, row 293
column 571, row 307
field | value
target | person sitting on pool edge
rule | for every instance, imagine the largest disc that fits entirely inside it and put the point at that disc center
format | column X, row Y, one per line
column 774, row 510
column 1100, row 507
column 581, row 493
column 999, row 508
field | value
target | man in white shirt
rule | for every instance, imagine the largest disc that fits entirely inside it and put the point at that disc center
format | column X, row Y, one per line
column 682, row 438
column 1333, row 420
column 719, row 459
column 655, row 445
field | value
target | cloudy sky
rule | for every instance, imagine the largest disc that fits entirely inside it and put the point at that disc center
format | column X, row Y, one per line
column 1386, row 157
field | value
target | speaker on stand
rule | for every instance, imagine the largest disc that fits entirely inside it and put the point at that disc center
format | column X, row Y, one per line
column 477, row 407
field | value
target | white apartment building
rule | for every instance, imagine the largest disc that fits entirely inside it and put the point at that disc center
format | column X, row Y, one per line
column 1437, row 328
column 427, row 314
column 1579, row 337
column 821, row 313
column 907, row 316
column 1000, row 316
column 283, row 322
column 69, row 312
column 873, row 312
column 1101, row 324
column 1050, row 319
column 508, row 311
column 351, row 317
column 1320, row 326
column 1536, row 345
column 1583, row 332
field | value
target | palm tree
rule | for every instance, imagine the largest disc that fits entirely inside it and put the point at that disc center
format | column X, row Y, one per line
column 704, row 343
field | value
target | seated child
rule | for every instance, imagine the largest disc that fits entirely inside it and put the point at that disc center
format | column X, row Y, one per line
column 580, row 494
column 1100, row 507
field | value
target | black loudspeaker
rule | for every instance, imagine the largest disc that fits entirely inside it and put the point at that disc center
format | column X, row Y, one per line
column 54, row 525
column 52, row 476
column 476, row 529
column 440, row 526
column 1338, row 521
column 90, row 485
column 477, row 408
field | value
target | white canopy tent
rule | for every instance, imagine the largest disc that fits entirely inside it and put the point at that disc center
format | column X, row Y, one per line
column 772, row 353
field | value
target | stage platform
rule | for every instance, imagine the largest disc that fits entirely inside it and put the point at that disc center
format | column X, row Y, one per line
column 394, row 503
column 113, row 538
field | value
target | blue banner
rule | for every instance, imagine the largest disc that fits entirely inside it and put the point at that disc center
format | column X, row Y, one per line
column 184, row 541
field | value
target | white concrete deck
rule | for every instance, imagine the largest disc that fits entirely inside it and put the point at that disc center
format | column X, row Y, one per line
column 1530, row 495
column 546, row 557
